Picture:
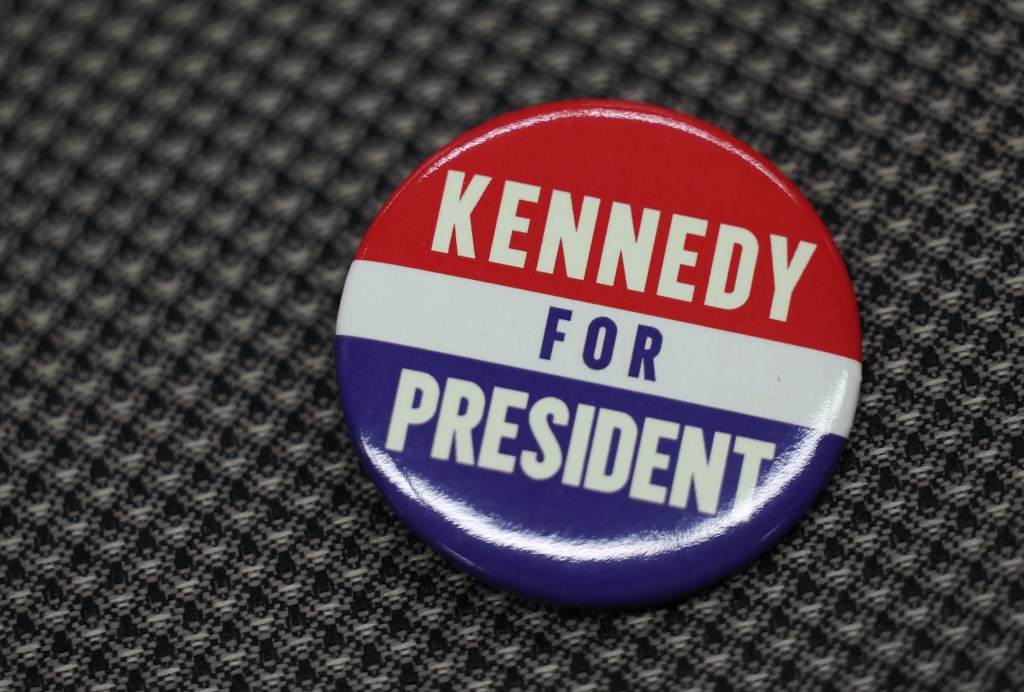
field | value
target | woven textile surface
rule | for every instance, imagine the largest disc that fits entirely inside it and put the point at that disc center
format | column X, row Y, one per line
column 182, row 188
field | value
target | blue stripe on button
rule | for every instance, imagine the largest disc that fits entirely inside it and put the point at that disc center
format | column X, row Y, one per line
column 369, row 372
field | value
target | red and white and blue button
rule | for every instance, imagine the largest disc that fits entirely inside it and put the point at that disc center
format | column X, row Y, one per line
column 598, row 353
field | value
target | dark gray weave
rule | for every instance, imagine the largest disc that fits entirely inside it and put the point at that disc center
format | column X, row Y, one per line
column 182, row 187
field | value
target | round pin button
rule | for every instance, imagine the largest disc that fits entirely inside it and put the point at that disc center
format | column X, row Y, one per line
column 598, row 353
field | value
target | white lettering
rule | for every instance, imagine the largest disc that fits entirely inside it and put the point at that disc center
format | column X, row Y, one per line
column 510, row 222
column 603, row 453
column 730, row 238
column 787, row 274
column 412, row 385
column 498, row 428
column 562, row 231
column 575, row 458
column 623, row 242
column 677, row 256
column 753, row 452
column 611, row 424
column 454, row 215
column 455, row 426
column 544, row 412
column 695, row 467
column 649, row 459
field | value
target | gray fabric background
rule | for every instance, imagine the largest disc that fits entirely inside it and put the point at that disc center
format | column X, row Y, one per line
column 182, row 187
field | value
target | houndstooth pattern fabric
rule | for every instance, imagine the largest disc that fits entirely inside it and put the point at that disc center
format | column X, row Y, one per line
column 182, row 188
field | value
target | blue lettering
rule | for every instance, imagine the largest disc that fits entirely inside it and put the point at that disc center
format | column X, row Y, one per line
column 593, row 359
column 551, row 333
column 645, row 348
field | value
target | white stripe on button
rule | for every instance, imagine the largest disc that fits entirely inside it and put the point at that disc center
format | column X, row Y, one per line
column 502, row 325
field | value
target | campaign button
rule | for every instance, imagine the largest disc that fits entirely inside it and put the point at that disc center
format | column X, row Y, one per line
column 598, row 353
